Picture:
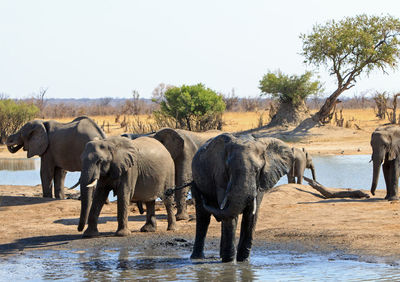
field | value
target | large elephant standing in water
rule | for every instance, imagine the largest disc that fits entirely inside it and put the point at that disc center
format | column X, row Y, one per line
column 230, row 177
column 59, row 146
column 385, row 142
column 182, row 145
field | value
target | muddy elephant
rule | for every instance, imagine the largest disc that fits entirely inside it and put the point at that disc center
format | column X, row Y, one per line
column 230, row 177
column 135, row 170
column 182, row 145
column 59, row 146
column 302, row 160
column 385, row 143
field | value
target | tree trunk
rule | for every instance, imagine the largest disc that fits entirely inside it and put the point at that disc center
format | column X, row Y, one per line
column 329, row 194
column 328, row 106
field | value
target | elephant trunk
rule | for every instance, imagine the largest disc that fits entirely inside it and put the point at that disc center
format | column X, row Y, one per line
column 86, row 204
column 14, row 148
column 231, row 206
column 377, row 159
column 313, row 172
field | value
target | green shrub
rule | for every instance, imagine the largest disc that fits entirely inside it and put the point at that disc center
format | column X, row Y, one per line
column 192, row 107
column 13, row 115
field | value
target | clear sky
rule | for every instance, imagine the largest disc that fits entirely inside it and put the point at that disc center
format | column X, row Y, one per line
column 90, row 49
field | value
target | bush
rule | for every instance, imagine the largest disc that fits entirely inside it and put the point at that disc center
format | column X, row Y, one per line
column 194, row 107
column 13, row 115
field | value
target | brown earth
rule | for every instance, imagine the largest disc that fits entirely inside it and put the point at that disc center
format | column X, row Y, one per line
column 291, row 215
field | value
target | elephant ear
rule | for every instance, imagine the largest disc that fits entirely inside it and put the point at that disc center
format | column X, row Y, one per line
column 36, row 139
column 171, row 140
column 123, row 153
column 278, row 160
column 394, row 148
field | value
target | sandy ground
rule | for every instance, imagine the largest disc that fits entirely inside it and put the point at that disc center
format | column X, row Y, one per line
column 294, row 216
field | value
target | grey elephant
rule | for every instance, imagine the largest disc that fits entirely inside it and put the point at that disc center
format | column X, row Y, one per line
column 302, row 160
column 135, row 170
column 230, row 177
column 59, row 146
column 385, row 142
column 182, row 145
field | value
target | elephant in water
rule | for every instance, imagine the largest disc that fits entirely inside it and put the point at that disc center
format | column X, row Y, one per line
column 385, row 142
column 230, row 177
column 59, row 146
column 302, row 160
column 182, row 145
column 136, row 170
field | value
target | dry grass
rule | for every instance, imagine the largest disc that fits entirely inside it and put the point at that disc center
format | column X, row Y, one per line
column 238, row 121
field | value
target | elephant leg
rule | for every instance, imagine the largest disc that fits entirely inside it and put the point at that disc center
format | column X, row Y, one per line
column 151, row 224
column 227, row 247
column 169, row 206
column 202, row 223
column 300, row 178
column 394, row 181
column 180, row 199
column 46, row 176
column 59, row 177
column 290, row 175
column 247, row 229
column 123, row 200
column 386, row 168
column 100, row 196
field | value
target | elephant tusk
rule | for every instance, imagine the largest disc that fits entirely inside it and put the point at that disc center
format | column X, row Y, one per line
column 255, row 206
column 75, row 185
column 222, row 206
column 93, row 184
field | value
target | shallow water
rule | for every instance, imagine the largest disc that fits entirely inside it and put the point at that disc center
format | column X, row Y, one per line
column 344, row 171
column 116, row 264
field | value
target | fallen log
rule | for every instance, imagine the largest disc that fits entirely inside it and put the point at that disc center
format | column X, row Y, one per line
column 329, row 194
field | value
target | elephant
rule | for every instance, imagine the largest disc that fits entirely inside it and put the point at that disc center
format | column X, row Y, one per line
column 182, row 145
column 136, row 170
column 302, row 160
column 385, row 143
column 133, row 136
column 59, row 146
column 230, row 177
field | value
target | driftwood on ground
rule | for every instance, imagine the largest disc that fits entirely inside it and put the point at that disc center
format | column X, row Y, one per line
column 346, row 193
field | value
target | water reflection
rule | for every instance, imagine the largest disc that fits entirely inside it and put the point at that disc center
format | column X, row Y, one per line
column 19, row 164
column 116, row 264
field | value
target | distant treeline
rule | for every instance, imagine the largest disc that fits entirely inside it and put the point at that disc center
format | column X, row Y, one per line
column 60, row 108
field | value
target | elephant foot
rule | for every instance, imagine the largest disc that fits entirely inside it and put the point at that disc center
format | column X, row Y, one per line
column 148, row 228
column 242, row 258
column 228, row 258
column 171, row 227
column 90, row 233
column 182, row 216
column 123, row 232
column 197, row 255
column 393, row 198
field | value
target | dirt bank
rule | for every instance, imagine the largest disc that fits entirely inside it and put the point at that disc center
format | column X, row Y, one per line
column 290, row 214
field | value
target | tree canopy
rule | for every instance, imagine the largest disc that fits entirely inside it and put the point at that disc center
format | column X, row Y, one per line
column 193, row 107
column 351, row 47
column 289, row 89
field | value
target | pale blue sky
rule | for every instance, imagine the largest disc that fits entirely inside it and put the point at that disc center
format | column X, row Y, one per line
column 89, row 49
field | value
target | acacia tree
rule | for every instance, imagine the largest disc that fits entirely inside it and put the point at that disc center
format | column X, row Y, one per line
column 351, row 47
column 290, row 92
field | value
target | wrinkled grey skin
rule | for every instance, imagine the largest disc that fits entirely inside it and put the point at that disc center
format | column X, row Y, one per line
column 136, row 170
column 133, row 136
column 59, row 146
column 302, row 160
column 182, row 145
column 230, row 177
column 385, row 142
